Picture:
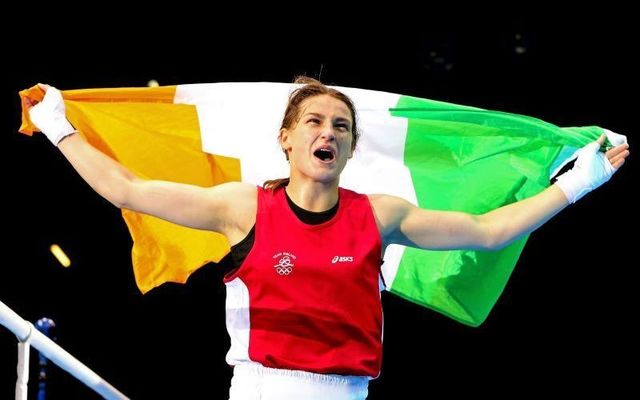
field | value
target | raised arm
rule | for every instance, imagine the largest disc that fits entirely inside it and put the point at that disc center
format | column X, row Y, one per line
column 220, row 208
column 403, row 223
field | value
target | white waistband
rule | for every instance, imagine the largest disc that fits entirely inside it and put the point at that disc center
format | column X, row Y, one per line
column 258, row 370
column 255, row 381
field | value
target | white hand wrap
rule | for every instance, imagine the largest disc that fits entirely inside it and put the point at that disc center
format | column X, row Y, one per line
column 49, row 116
column 591, row 169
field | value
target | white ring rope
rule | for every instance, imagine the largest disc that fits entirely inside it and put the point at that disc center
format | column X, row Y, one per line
column 28, row 336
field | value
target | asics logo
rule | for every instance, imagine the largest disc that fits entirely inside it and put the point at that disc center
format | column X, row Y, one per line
column 338, row 259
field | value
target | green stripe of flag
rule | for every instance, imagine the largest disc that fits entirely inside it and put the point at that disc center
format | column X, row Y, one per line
column 473, row 160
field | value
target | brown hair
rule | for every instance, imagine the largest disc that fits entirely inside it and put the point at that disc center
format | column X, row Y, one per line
column 312, row 87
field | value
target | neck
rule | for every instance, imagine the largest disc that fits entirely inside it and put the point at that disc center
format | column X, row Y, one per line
column 314, row 196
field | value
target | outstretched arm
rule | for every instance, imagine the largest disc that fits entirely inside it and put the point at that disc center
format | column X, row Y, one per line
column 403, row 223
column 193, row 206
column 188, row 205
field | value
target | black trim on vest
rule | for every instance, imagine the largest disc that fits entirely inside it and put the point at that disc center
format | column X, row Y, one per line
column 240, row 250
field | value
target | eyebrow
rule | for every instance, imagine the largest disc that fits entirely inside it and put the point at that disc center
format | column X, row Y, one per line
column 339, row 119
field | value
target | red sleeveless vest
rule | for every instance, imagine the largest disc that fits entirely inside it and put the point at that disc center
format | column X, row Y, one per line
column 311, row 292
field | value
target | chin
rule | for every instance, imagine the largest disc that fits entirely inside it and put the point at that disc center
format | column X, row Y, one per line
column 326, row 177
column 324, row 174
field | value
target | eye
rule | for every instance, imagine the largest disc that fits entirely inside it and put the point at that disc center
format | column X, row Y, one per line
column 343, row 127
column 314, row 121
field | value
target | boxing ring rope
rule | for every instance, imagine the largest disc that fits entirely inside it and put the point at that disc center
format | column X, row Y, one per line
column 29, row 336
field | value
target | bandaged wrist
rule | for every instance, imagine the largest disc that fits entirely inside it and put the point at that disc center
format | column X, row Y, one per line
column 57, row 129
column 591, row 169
column 573, row 186
column 49, row 116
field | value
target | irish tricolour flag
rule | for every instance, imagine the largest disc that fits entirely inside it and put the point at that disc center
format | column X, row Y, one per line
column 436, row 155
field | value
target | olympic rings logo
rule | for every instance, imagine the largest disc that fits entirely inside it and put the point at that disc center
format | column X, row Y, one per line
column 284, row 266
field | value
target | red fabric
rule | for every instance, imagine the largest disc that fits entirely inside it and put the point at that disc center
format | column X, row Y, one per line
column 313, row 289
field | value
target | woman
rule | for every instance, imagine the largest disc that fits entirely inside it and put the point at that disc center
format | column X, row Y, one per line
column 303, row 304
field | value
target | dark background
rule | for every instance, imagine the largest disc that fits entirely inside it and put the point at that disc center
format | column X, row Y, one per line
column 563, row 324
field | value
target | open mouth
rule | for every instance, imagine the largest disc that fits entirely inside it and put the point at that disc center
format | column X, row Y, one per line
column 325, row 155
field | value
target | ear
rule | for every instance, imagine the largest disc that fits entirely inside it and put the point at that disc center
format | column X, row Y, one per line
column 284, row 141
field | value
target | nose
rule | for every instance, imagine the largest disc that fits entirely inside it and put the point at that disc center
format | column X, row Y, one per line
column 328, row 132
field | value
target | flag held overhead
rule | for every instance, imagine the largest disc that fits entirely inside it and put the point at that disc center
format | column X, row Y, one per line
column 436, row 155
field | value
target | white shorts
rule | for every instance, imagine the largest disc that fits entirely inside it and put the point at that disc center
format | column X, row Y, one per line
column 253, row 382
